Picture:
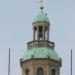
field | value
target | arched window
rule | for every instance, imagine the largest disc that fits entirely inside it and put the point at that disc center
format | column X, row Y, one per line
column 40, row 71
column 53, row 72
column 27, row 72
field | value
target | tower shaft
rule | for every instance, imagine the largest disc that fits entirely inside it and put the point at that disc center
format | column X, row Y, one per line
column 40, row 57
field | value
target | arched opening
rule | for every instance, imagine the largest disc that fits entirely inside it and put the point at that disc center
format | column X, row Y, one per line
column 40, row 71
column 40, row 33
column 53, row 72
column 27, row 72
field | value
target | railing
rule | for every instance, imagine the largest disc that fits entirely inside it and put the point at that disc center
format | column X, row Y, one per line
column 41, row 43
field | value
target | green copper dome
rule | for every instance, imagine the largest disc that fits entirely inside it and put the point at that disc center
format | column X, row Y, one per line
column 41, row 17
column 40, row 53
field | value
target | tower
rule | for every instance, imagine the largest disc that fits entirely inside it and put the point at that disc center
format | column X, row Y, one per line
column 40, row 57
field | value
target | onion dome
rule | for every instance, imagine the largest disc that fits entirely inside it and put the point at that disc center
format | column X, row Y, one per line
column 41, row 17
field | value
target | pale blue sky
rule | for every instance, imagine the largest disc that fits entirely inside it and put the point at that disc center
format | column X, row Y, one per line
column 16, row 17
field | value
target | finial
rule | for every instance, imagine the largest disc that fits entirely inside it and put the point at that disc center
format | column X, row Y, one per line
column 41, row 4
column 46, row 14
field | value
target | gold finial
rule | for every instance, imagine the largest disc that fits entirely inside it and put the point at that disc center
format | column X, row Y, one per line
column 41, row 4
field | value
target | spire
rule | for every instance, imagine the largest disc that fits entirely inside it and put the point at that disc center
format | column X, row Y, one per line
column 41, row 4
column 42, row 16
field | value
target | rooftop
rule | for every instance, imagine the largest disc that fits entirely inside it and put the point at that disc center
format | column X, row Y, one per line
column 40, row 53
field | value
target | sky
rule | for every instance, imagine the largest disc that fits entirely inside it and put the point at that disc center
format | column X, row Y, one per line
column 16, row 17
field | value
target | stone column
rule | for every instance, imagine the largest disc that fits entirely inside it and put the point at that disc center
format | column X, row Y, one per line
column 43, row 33
column 37, row 33
column 48, row 33
column 33, row 33
column 47, row 69
column 23, row 73
column 31, row 70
